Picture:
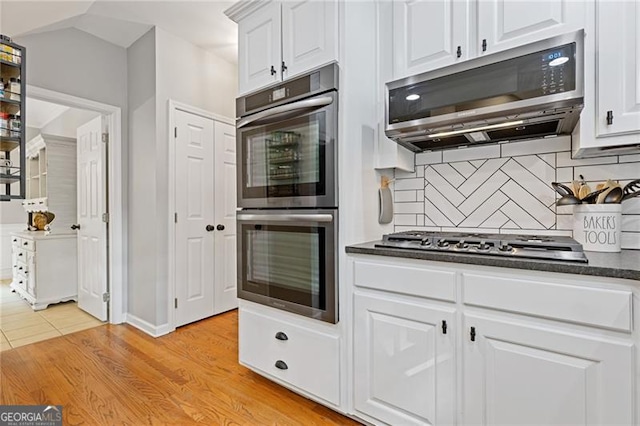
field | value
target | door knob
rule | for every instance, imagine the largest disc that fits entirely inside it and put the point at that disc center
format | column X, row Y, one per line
column 220, row 227
column 210, row 228
column 76, row 226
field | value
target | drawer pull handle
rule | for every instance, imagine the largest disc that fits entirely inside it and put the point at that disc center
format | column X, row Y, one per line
column 19, row 254
column 15, row 241
column 459, row 52
column 281, row 336
column 444, row 327
column 25, row 243
column 609, row 118
column 281, row 365
column 472, row 334
column 20, row 268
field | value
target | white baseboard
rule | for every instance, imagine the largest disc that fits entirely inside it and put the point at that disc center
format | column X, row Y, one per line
column 147, row 327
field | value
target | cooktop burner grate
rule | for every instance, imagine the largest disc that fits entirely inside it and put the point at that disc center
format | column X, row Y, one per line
column 526, row 246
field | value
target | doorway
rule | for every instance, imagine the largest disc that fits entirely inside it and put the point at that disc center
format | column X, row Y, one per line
column 202, row 187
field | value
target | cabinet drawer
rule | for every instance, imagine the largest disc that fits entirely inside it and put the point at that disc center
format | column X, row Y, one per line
column 16, row 241
column 307, row 359
column 22, row 268
column 28, row 244
column 413, row 280
column 21, row 254
column 584, row 305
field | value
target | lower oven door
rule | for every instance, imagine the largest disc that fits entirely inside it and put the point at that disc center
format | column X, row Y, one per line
column 287, row 259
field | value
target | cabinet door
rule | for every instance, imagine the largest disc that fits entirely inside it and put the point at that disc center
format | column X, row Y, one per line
column 259, row 49
column 618, row 78
column 428, row 34
column 515, row 374
column 309, row 35
column 503, row 24
column 404, row 362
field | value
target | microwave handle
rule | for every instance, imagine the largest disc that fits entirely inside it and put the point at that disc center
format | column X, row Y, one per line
column 277, row 113
column 323, row 218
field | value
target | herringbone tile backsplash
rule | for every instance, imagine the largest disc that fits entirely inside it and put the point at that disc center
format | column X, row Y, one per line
column 506, row 188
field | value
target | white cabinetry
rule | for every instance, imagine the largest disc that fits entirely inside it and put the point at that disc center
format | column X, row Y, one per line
column 542, row 349
column 51, row 179
column 44, row 268
column 503, row 24
column 291, row 351
column 278, row 40
column 404, row 361
column 429, row 34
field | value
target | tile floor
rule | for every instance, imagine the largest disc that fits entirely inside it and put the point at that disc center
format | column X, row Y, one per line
column 20, row 325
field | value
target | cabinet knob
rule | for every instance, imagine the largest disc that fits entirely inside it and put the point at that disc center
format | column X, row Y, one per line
column 75, row 226
column 281, row 336
column 284, row 67
column 459, row 51
column 273, row 70
column 609, row 118
column 209, row 228
column 484, row 44
column 472, row 334
column 220, row 227
column 25, row 243
column 281, row 365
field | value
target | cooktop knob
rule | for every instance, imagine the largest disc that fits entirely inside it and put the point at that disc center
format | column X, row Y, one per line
column 483, row 246
column 505, row 248
column 443, row 243
column 425, row 242
column 462, row 245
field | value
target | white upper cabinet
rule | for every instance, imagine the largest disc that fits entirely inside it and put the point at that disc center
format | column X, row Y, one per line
column 259, row 48
column 279, row 40
column 618, row 64
column 309, row 35
column 429, row 34
column 506, row 24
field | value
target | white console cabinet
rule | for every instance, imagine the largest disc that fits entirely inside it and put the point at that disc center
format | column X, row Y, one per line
column 44, row 267
column 537, row 348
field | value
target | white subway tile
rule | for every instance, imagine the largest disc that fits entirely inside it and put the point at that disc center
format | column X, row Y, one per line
column 428, row 158
column 488, row 188
column 407, row 184
column 530, row 204
column 445, row 188
column 564, row 174
column 434, row 215
column 428, row 222
column 420, row 171
column 407, row 208
column 465, row 168
column 485, row 210
column 509, row 225
column 497, row 220
column 477, row 163
column 550, row 159
column 448, row 209
column 450, row 174
column 538, row 168
column 420, row 195
column 402, row 174
column 474, row 153
column 481, row 175
column 630, row 240
column 538, row 184
column 612, row 171
column 635, row 158
column 404, row 219
column 631, row 222
column 536, row 146
column 405, row 196
column 564, row 160
column 520, row 217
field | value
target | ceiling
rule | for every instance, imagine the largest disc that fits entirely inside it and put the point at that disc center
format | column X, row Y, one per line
column 41, row 113
column 122, row 22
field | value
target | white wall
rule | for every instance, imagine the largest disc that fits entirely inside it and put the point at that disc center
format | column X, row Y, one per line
column 67, row 123
column 143, row 242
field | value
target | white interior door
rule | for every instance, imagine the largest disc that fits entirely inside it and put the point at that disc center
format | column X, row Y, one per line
column 194, row 195
column 225, row 238
column 92, row 234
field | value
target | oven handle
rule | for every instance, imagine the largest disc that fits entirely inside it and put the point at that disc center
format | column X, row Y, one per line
column 277, row 113
column 323, row 218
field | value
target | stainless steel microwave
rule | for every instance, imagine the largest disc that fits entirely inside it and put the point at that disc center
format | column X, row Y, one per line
column 526, row 92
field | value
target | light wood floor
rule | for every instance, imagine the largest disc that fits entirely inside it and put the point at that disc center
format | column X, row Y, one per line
column 115, row 374
column 20, row 325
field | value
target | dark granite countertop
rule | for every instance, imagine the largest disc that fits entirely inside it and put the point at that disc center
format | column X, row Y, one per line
column 625, row 264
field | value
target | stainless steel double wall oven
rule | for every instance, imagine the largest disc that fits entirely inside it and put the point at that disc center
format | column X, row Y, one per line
column 287, row 139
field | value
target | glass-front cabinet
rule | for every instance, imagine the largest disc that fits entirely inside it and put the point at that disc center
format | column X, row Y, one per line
column 12, row 113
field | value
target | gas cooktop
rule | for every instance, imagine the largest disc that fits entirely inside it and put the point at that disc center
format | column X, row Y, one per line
column 521, row 246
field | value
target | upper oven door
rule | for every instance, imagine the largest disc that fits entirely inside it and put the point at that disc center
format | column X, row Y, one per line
column 287, row 155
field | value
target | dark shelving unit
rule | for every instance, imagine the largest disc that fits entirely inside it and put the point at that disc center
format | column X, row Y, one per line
column 12, row 65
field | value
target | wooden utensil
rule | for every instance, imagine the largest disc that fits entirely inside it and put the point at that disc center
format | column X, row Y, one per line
column 584, row 191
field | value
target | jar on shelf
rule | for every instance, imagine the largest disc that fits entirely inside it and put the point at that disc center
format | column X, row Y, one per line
column 14, row 89
column 4, row 124
column 15, row 125
column 1, row 87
